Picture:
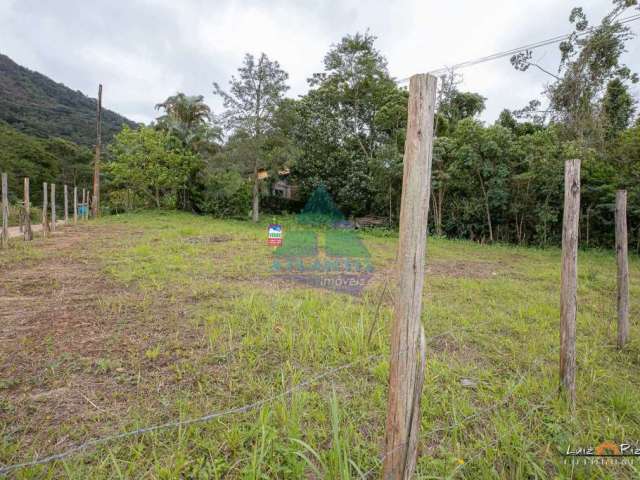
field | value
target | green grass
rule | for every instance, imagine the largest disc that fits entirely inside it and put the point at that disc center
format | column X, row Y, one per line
column 233, row 335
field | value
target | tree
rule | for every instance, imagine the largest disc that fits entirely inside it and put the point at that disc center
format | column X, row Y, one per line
column 147, row 163
column 485, row 154
column 351, row 128
column 250, row 104
column 453, row 106
column 618, row 107
column 590, row 60
column 188, row 119
column 187, row 110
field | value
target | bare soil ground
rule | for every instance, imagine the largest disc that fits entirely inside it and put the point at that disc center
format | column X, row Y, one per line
column 71, row 354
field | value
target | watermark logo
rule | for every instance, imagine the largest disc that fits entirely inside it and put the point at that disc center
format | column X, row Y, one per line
column 605, row 453
column 323, row 250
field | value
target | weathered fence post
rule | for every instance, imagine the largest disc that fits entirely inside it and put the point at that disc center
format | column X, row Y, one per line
column 408, row 344
column 84, row 203
column 5, row 211
column 623, row 267
column 66, row 205
column 45, row 206
column 569, row 280
column 75, row 205
column 53, row 207
column 28, row 233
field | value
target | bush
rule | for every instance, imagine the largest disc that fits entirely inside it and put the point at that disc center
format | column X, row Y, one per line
column 280, row 205
column 15, row 211
column 225, row 194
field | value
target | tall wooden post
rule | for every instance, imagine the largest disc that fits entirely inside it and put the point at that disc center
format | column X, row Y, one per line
column 75, row 205
column 5, row 211
column 28, row 233
column 53, row 207
column 45, row 206
column 66, row 205
column 569, row 280
column 96, row 167
column 623, row 267
column 408, row 345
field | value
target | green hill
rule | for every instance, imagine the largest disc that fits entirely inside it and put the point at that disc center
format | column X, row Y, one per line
column 42, row 160
column 34, row 104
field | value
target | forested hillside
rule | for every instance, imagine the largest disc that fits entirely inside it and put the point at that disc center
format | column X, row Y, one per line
column 34, row 104
column 42, row 160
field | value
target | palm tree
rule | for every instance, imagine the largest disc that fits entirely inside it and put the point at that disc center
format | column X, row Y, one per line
column 189, row 110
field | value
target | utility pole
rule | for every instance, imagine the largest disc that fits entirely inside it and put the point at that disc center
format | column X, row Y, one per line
column 96, row 167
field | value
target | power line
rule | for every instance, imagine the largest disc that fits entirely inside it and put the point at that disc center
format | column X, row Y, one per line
column 513, row 51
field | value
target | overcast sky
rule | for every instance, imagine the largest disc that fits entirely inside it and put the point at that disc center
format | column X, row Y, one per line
column 145, row 50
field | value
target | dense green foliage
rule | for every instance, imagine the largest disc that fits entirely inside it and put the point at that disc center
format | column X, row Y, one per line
column 34, row 104
column 42, row 160
column 148, row 167
column 500, row 181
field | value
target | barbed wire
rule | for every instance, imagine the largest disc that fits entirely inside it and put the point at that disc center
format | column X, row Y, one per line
column 180, row 423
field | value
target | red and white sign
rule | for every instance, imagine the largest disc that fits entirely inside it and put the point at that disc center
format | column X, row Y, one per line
column 274, row 236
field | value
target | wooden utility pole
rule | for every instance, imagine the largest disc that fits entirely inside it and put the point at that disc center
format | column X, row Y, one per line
column 96, row 167
column 623, row 267
column 569, row 280
column 5, row 211
column 45, row 222
column 53, row 207
column 66, row 205
column 75, row 205
column 408, row 344
column 28, row 233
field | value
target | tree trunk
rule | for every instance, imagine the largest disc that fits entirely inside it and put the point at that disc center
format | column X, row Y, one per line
column 486, row 206
column 255, row 209
column 438, row 198
column 157, row 196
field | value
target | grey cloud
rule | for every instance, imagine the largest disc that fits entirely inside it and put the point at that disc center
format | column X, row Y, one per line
column 145, row 50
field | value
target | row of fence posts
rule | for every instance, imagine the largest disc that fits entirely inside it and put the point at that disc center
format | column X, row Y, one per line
column 569, row 276
column 80, row 210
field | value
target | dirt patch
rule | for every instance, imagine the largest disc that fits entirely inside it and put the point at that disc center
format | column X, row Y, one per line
column 73, row 342
column 211, row 239
column 465, row 269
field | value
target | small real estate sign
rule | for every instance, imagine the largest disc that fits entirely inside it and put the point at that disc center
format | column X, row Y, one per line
column 274, row 237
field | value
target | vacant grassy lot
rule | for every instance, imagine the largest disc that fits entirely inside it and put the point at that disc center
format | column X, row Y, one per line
column 143, row 319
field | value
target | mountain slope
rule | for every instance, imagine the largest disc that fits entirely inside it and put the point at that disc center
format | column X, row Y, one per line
column 34, row 104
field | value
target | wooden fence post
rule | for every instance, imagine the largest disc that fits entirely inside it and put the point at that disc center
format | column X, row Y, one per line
column 623, row 267
column 45, row 206
column 53, row 207
column 66, row 205
column 5, row 211
column 75, row 205
column 569, row 280
column 408, row 344
column 28, row 233
column 84, row 203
